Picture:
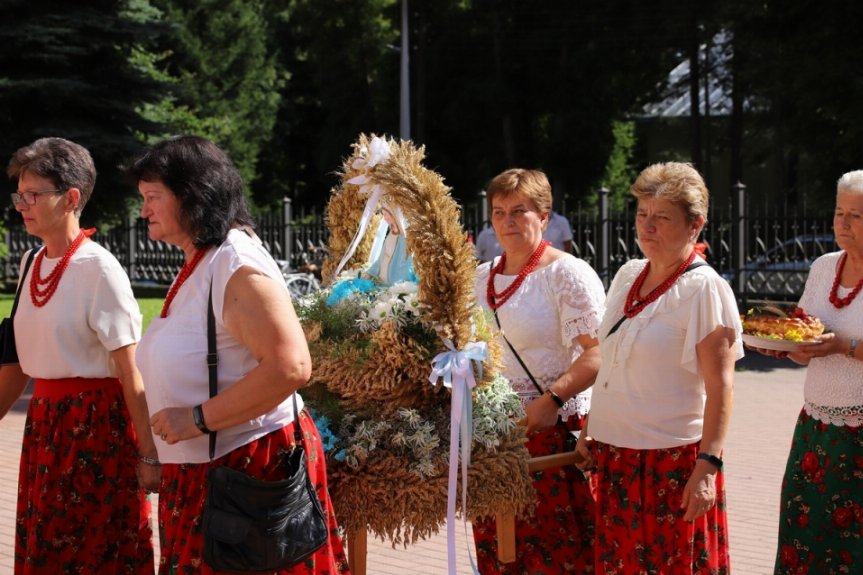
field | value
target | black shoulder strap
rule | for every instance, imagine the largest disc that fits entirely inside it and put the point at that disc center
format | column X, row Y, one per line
column 691, row 267
column 213, row 369
column 21, row 281
column 212, row 359
column 518, row 357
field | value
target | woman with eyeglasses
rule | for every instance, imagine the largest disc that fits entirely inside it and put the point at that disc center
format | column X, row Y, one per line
column 88, row 454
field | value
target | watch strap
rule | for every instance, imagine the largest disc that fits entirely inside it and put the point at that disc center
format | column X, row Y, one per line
column 711, row 459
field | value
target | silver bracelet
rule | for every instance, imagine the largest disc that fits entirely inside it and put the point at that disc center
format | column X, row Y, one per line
column 149, row 460
column 852, row 349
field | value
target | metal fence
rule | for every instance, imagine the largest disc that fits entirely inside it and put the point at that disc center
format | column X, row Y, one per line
column 765, row 255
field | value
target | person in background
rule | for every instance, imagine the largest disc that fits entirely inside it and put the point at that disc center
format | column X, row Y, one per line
column 193, row 198
column 663, row 397
column 559, row 232
column 487, row 246
column 548, row 305
column 821, row 513
column 87, row 449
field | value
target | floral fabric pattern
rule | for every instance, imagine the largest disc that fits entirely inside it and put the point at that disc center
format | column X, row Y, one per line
column 821, row 518
column 183, row 491
column 558, row 536
column 640, row 527
column 77, row 476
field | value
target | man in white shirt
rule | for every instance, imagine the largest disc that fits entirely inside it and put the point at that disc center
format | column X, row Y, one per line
column 487, row 246
column 558, row 232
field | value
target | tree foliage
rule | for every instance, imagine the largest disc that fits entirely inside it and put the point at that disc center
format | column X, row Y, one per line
column 65, row 71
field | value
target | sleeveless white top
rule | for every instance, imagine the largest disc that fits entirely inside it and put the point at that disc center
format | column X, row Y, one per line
column 172, row 353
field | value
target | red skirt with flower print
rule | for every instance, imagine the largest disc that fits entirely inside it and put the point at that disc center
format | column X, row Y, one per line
column 183, row 491
column 80, row 509
column 557, row 537
column 639, row 523
column 821, row 517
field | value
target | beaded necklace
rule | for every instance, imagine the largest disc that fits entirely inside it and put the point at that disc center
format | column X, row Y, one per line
column 634, row 305
column 495, row 300
column 184, row 274
column 41, row 289
column 840, row 302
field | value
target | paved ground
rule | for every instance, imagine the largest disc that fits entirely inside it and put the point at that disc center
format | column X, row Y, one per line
column 768, row 397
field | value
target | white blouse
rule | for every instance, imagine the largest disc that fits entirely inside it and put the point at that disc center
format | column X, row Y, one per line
column 172, row 353
column 649, row 393
column 92, row 313
column 834, row 384
column 542, row 319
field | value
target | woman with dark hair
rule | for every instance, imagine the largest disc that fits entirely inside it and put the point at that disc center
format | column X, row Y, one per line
column 87, row 448
column 193, row 199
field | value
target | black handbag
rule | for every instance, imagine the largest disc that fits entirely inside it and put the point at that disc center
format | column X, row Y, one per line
column 251, row 525
column 8, row 350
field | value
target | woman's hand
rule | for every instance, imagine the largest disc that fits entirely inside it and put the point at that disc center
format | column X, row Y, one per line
column 174, row 424
column 149, row 476
column 699, row 493
column 584, row 447
column 541, row 413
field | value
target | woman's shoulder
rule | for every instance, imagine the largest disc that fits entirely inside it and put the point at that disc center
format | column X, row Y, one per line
column 568, row 265
column 95, row 255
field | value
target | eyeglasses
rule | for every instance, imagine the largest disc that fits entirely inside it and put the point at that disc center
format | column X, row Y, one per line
column 29, row 198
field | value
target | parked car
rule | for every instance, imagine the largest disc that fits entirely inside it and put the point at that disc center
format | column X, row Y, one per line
column 780, row 272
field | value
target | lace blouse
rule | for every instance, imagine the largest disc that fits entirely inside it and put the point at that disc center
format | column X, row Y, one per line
column 833, row 391
column 542, row 319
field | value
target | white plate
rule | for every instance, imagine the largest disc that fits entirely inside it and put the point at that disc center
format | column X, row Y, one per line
column 775, row 344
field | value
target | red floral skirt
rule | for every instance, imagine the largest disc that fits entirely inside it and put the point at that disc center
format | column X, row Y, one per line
column 80, row 509
column 639, row 523
column 558, row 536
column 183, row 491
column 821, row 517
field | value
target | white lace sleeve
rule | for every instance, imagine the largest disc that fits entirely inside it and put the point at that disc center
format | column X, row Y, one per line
column 580, row 297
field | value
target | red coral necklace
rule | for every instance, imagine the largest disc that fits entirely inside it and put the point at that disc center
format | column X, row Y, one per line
column 495, row 300
column 634, row 305
column 184, row 274
column 41, row 289
column 840, row 302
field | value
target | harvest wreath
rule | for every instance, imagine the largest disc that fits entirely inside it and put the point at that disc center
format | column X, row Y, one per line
column 385, row 421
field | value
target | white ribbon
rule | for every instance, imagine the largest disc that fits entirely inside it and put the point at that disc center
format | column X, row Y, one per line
column 456, row 370
column 378, row 151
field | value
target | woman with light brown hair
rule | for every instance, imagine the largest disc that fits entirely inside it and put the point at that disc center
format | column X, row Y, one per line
column 662, row 399
column 547, row 306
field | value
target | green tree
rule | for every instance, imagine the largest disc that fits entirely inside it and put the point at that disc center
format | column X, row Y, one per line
column 342, row 79
column 224, row 74
column 65, row 70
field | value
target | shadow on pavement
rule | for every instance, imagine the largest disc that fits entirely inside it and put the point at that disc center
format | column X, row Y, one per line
column 754, row 361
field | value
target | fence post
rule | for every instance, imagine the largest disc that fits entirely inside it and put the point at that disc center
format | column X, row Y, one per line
column 604, row 237
column 287, row 232
column 131, row 248
column 483, row 211
column 740, row 244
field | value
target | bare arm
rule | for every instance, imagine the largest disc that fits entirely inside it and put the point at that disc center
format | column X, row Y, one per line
column 12, row 384
column 542, row 413
column 716, row 359
column 259, row 314
column 136, row 403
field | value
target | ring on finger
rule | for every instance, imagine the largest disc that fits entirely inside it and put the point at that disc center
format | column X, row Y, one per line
column 164, row 436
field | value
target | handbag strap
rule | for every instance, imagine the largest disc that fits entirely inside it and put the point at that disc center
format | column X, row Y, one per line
column 21, row 281
column 213, row 370
column 691, row 267
column 518, row 357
